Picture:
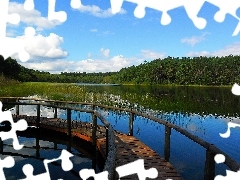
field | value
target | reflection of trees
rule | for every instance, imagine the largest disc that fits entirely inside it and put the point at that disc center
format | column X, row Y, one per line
column 202, row 100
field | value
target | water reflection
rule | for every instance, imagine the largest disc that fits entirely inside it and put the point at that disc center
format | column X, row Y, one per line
column 204, row 112
column 35, row 150
column 186, row 156
column 198, row 100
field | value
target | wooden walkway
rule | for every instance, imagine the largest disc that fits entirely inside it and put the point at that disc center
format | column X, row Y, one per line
column 128, row 148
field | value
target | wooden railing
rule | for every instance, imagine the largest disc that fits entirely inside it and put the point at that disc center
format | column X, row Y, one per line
column 211, row 149
column 110, row 136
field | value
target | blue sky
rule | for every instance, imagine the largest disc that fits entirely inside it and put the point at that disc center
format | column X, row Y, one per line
column 92, row 39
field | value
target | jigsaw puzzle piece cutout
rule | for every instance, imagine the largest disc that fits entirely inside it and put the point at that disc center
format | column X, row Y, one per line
column 116, row 6
column 53, row 15
column 7, row 162
column 227, row 133
column 229, row 175
column 137, row 167
column 66, row 165
column 236, row 89
column 10, row 45
column 219, row 158
column 161, row 5
column 28, row 171
column 20, row 125
column 29, row 5
column 227, row 7
column 6, row 18
column 75, row 4
column 87, row 173
column 192, row 9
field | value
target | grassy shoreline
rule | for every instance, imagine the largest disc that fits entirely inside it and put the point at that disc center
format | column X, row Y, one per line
column 178, row 85
column 66, row 91
column 219, row 100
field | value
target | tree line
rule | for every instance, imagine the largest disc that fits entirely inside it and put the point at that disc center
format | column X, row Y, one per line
column 180, row 71
column 11, row 69
column 184, row 71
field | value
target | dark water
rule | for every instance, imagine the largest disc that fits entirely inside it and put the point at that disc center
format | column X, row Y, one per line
column 203, row 111
column 30, row 155
column 202, row 100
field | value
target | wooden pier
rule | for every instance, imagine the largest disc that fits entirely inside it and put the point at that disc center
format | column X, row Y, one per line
column 116, row 148
column 128, row 148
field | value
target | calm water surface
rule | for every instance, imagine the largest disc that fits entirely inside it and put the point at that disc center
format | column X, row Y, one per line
column 203, row 111
column 28, row 155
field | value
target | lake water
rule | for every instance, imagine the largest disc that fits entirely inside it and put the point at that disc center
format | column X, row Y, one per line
column 203, row 111
column 29, row 154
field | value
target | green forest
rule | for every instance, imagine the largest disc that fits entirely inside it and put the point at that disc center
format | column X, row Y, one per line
column 170, row 70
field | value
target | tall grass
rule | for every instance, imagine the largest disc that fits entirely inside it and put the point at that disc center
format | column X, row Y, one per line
column 55, row 91
column 4, row 81
column 169, row 99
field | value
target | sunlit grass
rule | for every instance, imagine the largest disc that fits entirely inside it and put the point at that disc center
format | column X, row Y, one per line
column 7, row 81
column 55, row 91
column 168, row 99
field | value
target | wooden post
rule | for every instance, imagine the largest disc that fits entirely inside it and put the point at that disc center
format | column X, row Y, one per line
column 94, row 140
column 130, row 128
column 17, row 108
column 38, row 116
column 209, row 171
column 55, row 112
column 69, row 129
column 1, row 145
column 167, row 143
column 55, row 146
column 94, row 130
column 37, row 145
column 107, row 142
column 69, row 122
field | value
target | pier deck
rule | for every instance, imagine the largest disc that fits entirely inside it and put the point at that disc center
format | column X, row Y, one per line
column 128, row 148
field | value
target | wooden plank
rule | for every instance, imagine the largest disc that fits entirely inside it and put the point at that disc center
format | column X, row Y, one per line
column 128, row 148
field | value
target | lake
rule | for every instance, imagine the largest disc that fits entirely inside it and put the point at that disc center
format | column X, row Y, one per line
column 49, row 148
column 203, row 111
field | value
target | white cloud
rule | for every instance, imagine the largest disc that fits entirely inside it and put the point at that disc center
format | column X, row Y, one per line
column 197, row 54
column 33, row 17
column 104, row 64
column 89, row 55
column 88, row 65
column 10, row 33
column 233, row 49
column 147, row 54
column 105, row 52
column 194, row 39
column 97, row 11
column 226, row 51
column 93, row 30
column 40, row 47
column 50, row 66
